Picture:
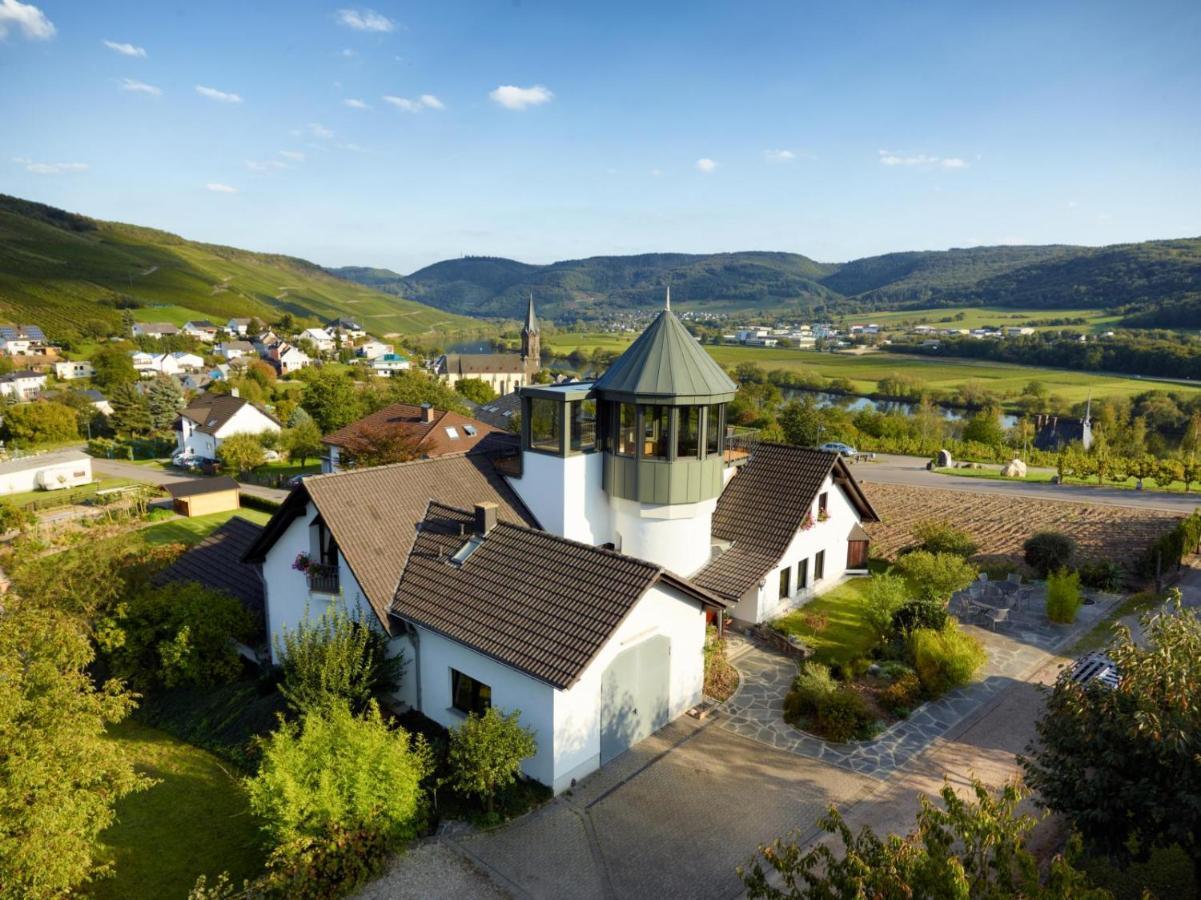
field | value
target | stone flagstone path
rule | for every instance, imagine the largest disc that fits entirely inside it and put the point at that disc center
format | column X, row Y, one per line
column 1015, row 650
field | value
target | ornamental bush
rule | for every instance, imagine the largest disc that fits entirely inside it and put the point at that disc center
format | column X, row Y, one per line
column 918, row 614
column 1102, row 575
column 945, row 659
column 1063, row 596
column 1047, row 551
column 486, row 752
column 903, row 694
column 942, row 537
column 936, row 576
column 812, row 684
column 843, row 715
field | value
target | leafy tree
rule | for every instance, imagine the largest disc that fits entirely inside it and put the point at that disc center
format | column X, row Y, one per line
column 974, row 849
column 330, row 398
column 378, row 445
column 985, row 428
column 61, row 775
column 261, row 372
column 475, row 389
column 181, row 634
column 241, row 452
column 413, row 387
column 40, row 422
column 936, row 576
column 885, row 594
column 131, row 413
column 943, row 537
column 334, row 774
column 486, row 752
column 113, row 366
column 1047, row 551
column 802, row 422
column 14, row 518
column 338, row 660
column 164, row 400
column 1121, row 764
column 302, row 441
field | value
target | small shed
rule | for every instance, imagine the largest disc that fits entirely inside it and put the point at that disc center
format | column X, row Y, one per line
column 201, row 496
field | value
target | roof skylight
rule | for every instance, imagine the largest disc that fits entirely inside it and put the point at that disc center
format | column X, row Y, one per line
column 461, row 555
column 452, row 433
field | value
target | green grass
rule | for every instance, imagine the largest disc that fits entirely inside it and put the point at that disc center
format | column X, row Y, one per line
column 195, row 821
column 846, row 635
column 586, row 342
column 984, row 317
column 1101, row 633
column 67, row 495
column 192, row 531
column 1044, row 477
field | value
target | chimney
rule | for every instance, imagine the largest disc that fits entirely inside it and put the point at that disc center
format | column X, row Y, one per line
column 485, row 517
column 427, row 412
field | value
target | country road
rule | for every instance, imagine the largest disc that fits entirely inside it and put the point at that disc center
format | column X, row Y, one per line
column 911, row 470
column 151, row 475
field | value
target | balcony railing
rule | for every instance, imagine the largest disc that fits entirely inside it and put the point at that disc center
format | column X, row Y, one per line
column 740, row 444
column 322, row 579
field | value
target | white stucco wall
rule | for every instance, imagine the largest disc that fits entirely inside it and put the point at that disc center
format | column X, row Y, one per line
column 247, row 420
column 675, row 536
column 566, row 495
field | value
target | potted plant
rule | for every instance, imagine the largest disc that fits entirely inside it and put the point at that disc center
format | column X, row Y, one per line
column 808, row 522
column 302, row 562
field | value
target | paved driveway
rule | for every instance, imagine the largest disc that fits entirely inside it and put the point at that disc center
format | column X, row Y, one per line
column 155, row 475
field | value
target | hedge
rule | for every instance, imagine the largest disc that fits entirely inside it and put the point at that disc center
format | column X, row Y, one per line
column 250, row 501
column 1171, row 548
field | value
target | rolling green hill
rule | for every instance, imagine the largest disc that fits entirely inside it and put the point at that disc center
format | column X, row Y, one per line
column 61, row 270
column 1155, row 283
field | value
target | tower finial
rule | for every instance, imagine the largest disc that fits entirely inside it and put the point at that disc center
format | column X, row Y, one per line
column 667, row 302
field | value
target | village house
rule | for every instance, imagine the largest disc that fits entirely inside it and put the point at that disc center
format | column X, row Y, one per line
column 287, row 358
column 373, row 349
column 574, row 580
column 22, row 385
column 21, row 340
column 319, row 338
column 70, row 369
column 503, row 372
column 389, row 363
column 208, row 420
column 237, row 327
column 349, row 328
column 177, row 363
column 156, row 330
column 201, row 329
column 231, row 350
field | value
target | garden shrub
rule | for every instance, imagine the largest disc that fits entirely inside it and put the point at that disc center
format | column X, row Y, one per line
column 903, row 694
column 942, row 537
column 945, row 659
column 843, row 715
column 885, row 594
column 1063, row 596
column 486, row 752
column 812, row 684
column 1102, row 575
column 936, row 576
column 1047, row 551
column 721, row 678
column 918, row 614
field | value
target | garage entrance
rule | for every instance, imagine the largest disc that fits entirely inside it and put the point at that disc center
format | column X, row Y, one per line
column 634, row 695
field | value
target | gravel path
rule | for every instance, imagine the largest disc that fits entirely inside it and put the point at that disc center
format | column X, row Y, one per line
column 431, row 871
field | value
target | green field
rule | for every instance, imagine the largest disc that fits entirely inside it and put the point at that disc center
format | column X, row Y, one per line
column 192, row 531
column 984, row 316
column 195, row 821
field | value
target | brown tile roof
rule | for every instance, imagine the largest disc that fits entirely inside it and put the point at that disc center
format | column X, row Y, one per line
column 197, row 486
column 762, row 508
column 211, row 411
column 216, row 562
column 530, row 599
column 470, row 364
column 432, row 438
column 373, row 513
column 498, row 412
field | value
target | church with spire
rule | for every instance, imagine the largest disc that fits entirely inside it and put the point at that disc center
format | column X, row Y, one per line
column 503, row 372
column 572, row 578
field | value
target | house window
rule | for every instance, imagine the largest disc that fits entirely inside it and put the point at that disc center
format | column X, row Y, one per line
column 688, row 434
column 819, row 566
column 544, row 425
column 627, row 429
column 656, row 426
column 785, row 582
column 583, row 425
column 469, row 695
column 802, row 574
column 823, row 506
column 712, row 430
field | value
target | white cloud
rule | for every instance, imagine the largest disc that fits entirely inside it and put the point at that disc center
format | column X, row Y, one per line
column 347, row 53
column 316, row 129
column 293, row 155
column 512, row 97
column 353, row 148
column 126, row 49
column 365, row 20
column 779, row 155
column 140, row 87
column 221, row 188
column 706, row 165
column 40, row 168
column 355, row 104
column 269, row 165
column 214, row 94
column 31, row 21
column 425, row 101
column 889, row 158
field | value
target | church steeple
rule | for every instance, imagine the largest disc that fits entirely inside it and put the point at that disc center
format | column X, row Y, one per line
column 531, row 339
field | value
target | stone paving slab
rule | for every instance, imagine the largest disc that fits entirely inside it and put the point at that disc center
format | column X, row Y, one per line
column 1015, row 649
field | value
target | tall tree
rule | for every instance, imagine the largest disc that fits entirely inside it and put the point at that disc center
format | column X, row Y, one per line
column 131, row 414
column 241, row 453
column 378, row 445
column 801, row 421
column 164, row 400
column 113, row 366
column 331, row 399
column 302, row 441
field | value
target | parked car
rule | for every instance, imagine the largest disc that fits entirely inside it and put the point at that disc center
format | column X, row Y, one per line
column 182, row 458
column 838, row 447
column 292, row 482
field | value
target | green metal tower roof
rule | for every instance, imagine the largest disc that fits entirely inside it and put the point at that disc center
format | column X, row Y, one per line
column 666, row 365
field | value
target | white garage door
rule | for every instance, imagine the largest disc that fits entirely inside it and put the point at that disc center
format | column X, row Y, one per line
column 634, row 695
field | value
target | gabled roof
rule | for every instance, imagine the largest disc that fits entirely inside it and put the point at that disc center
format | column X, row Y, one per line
column 666, row 364
column 468, row 365
column 373, row 513
column 197, row 486
column 210, row 412
column 216, row 562
column 762, row 508
column 498, row 412
column 530, row 599
column 446, row 432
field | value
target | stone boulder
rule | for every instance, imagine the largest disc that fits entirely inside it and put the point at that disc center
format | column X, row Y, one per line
column 942, row 460
column 1015, row 468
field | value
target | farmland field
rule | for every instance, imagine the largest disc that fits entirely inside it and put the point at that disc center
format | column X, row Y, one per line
column 984, row 316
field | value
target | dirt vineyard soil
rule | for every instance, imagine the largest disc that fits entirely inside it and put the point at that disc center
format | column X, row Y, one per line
column 1001, row 524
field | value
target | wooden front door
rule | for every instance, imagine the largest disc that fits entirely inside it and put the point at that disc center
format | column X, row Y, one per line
column 857, row 554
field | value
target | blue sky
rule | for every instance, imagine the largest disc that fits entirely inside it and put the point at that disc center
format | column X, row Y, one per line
column 544, row 131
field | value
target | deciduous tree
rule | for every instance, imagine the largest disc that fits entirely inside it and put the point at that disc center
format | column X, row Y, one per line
column 241, row 452
column 486, row 753
column 475, row 389
column 40, row 422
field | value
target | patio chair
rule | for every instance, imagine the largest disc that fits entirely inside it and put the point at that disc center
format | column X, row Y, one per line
column 997, row 616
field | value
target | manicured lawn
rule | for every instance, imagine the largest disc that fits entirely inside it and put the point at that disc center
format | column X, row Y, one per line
column 192, row 531
column 846, row 634
column 194, row 821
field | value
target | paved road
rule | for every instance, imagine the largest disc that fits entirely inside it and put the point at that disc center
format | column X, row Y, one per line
column 911, row 470
column 154, row 475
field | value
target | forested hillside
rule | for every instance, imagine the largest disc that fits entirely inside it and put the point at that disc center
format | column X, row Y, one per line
column 1156, row 283
column 63, row 271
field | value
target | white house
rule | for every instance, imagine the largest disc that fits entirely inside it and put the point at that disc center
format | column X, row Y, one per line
column 288, row 359
column 24, row 385
column 70, row 369
column 18, row 340
column 350, row 328
column 201, row 329
column 573, row 582
column 45, row 471
column 320, row 338
column 373, row 349
column 389, row 363
column 231, row 350
column 156, row 330
column 211, row 418
column 237, row 327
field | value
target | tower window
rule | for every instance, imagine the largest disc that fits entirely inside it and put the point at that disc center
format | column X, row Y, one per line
column 656, row 427
column 583, row 425
column 688, row 435
column 626, row 439
column 545, row 428
column 713, row 430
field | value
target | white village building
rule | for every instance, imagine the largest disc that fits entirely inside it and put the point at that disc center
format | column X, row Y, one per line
column 573, row 581
column 211, row 418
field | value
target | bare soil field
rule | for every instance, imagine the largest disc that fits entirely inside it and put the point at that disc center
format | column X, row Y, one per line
column 1000, row 524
